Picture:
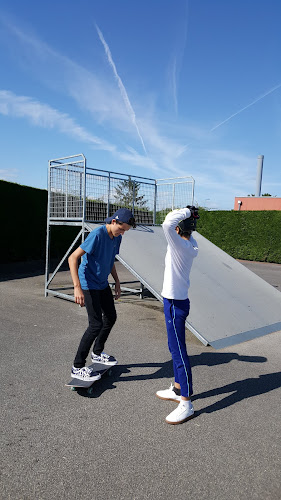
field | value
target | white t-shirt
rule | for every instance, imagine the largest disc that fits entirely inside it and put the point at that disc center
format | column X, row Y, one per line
column 179, row 257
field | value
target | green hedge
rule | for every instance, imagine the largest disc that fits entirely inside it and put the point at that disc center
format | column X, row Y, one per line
column 248, row 235
column 23, row 217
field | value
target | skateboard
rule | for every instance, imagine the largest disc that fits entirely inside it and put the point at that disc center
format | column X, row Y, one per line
column 76, row 383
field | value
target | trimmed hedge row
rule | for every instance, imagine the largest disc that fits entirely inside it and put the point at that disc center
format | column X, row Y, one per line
column 251, row 235
column 23, row 220
column 23, row 217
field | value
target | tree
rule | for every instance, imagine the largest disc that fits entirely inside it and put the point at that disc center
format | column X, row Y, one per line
column 126, row 193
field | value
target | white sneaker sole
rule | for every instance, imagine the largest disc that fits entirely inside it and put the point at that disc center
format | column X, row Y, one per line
column 91, row 379
column 180, row 421
column 112, row 363
column 168, row 399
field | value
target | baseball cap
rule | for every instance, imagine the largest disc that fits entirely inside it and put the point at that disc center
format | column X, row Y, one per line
column 122, row 215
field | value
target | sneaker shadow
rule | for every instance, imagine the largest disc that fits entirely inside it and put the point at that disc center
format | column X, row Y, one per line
column 105, row 383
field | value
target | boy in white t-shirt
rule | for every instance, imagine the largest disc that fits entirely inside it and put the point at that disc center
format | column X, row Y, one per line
column 182, row 249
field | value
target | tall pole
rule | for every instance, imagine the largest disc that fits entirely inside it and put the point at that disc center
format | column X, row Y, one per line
column 259, row 175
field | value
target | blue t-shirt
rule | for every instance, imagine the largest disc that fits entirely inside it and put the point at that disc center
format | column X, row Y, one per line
column 98, row 260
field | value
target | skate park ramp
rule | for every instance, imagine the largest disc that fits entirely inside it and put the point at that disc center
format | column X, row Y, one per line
column 229, row 303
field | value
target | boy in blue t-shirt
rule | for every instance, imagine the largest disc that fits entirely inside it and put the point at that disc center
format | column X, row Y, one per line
column 91, row 289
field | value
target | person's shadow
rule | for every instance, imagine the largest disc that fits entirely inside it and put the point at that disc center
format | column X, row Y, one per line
column 221, row 358
column 240, row 390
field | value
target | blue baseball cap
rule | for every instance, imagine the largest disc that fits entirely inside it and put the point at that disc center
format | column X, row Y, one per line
column 122, row 215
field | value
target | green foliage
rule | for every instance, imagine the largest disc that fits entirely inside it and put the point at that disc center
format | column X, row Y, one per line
column 251, row 235
column 246, row 235
column 23, row 222
column 160, row 216
column 23, row 219
column 127, row 192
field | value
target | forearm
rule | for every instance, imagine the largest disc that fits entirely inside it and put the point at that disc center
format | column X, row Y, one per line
column 114, row 274
column 117, row 282
column 73, row 267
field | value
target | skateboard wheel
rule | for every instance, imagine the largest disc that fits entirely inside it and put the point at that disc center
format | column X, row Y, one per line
column 90, row 390
column 109, row 372
column 73, row 388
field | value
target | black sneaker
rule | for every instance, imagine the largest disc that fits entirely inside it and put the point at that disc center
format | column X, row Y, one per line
column 85, row 373
column 103, row 358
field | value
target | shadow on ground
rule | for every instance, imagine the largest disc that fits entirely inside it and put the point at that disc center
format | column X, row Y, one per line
column 28, row 269
column 242, row 389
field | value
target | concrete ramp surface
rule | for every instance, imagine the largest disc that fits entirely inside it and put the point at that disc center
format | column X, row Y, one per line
column 229, row 303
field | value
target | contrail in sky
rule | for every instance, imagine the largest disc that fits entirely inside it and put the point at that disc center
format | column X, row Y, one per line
column 121, row 86
column 174, row 84
column 246, row 107
column 177, row 60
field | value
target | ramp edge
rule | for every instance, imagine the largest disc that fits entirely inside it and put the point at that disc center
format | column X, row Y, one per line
column 246, row 336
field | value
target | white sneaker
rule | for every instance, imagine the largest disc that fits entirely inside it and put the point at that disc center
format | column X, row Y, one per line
column 182, row 413
column 168, row 394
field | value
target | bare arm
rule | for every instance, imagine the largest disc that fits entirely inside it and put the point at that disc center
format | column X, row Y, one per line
column 117, row 282
column 73, row 266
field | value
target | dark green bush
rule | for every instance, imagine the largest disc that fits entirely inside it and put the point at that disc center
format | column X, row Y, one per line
column 251, row 235
column 23, row 217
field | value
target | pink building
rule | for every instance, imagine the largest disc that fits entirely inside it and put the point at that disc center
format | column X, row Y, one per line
column 257, row 203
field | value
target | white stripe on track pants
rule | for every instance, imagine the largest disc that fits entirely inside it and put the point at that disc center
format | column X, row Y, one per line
column 176, row 312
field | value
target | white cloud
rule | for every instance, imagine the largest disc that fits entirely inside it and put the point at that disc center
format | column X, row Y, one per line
column 43, row 115
column 138, row 160
column 9, row 174
column 91, row 91
column 175, row 149
column 96, row 94
column 214, row 170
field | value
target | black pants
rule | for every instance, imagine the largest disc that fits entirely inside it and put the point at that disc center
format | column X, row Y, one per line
column 102, row 316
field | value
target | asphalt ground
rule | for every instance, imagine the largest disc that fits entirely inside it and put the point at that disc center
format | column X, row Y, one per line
column 59, row 444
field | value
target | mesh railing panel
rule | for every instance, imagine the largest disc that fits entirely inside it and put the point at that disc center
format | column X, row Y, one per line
column 105, row 192
column 104, row 195
column 66, row 188
column 172, row 194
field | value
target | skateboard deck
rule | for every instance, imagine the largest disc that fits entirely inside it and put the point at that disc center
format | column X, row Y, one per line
column 76, row 383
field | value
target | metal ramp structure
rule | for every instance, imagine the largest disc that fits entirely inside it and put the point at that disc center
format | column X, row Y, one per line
column 229, row 303
column 79, row 195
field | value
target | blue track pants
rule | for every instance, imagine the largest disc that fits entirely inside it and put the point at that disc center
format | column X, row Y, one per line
column 176, row 312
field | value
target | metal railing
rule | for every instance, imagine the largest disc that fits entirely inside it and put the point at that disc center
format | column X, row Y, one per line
column 78, row 194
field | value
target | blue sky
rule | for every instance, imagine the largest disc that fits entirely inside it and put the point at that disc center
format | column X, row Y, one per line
column 156, row 88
